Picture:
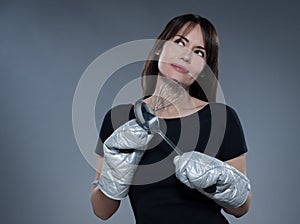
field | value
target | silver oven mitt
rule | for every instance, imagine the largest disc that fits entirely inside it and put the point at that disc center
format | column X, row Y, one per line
column 119, row 164
column 199, row 171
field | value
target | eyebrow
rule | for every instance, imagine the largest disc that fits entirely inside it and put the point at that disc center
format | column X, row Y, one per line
column 183, row 37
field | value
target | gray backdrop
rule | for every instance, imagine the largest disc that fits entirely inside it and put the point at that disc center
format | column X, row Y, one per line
column 45, row 46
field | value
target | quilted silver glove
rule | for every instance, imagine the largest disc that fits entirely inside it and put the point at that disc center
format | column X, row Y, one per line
column 119, row 166
column 199, row 171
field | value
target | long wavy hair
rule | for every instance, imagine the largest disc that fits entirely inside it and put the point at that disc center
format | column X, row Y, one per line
column 211, row 44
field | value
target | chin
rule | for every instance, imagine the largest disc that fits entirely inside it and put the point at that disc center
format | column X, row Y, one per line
column 178, row 78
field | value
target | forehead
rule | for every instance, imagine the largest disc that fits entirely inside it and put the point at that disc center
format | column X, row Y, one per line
column 193, row 34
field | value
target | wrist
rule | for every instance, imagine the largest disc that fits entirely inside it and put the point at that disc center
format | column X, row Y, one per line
column 94, row 184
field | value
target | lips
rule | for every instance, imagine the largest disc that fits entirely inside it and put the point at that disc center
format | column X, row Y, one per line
column 179, row 68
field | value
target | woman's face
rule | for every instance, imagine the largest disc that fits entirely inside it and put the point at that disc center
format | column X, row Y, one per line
column 182, row 57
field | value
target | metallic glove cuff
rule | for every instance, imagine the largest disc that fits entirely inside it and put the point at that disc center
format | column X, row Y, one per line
column 112, row 189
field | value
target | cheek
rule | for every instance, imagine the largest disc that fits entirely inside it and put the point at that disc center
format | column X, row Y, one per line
column 164, row 59
column 161, row 66
column 166, row 55
column 170, row 52
column 197, row 66
column 164, row 68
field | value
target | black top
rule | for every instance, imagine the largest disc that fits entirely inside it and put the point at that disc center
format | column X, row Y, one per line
column 156, row 195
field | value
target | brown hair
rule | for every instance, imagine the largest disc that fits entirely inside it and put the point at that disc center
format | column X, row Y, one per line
column 211, row 42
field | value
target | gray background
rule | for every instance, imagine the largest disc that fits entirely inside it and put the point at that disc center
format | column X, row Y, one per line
column 45, row 46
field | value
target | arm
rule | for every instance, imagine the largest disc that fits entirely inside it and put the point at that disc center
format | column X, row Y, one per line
column 116, row 169
column 240, row 164
column 103, row 206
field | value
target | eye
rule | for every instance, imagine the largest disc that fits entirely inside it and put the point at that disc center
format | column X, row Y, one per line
column 180, row 42
column 199, row 53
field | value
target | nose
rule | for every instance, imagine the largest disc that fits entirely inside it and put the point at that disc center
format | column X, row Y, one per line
column 187, row 55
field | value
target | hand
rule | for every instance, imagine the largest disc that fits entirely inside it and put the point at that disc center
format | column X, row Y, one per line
column 119, row 167
column 199, row 171
column 129, row 136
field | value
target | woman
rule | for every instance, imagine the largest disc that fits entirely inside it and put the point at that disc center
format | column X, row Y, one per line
column 201, row 185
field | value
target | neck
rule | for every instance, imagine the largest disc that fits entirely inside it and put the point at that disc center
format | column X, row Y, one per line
column 170, row 98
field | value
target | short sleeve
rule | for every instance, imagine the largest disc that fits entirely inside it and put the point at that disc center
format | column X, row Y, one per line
column 234, row 143
column 113, row 119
